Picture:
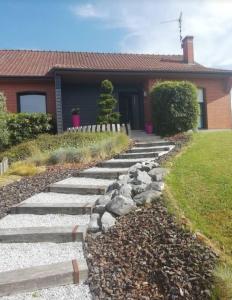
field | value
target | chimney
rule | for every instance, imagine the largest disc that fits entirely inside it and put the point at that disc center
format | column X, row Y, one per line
column 187, row 45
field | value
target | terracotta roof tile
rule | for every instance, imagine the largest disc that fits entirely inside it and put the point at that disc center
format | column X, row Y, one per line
column 41, row 63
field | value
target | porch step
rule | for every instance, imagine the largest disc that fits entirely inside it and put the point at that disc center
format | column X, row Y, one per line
column 52, row 208
column 62, row 234
column 121, row 163
column 148, row 149
column 139, row 155
column 104, row 173
column 153, row 144
column 45, row 276
column 79, row 185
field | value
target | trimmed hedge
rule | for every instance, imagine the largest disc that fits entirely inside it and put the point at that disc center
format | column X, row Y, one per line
column 175, row 107
column 25, row 126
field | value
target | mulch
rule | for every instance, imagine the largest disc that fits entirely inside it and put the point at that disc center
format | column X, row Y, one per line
column 148, row 256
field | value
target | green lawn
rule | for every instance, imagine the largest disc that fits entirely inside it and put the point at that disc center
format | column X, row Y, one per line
column 200, row 183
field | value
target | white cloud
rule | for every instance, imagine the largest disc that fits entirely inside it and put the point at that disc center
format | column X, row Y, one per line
column 209, row 21
column 86, row 11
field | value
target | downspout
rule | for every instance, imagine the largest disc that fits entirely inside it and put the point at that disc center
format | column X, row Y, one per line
column 59, row 114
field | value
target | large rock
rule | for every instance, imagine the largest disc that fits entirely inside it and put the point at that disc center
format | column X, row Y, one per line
column 133, row 169
column 158, row 174
column 137, row 189
column 156, row 185
column 140, row 177
column 107, row 221
column 147, row 197
column 94, row 223
column 120, row 205
column 149, row 165
column 104, row 199
column 113, row 186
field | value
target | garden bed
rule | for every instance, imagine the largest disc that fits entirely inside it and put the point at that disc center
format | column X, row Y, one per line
column 147, row 256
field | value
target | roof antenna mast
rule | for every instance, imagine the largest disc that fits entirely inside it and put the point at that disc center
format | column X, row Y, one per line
column 180, row 22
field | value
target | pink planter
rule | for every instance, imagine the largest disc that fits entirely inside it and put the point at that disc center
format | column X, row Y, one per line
column 76, row 121
column 149, row 128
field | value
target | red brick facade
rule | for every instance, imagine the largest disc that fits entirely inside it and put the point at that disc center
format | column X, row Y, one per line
column 12, row 87
column 216, row 97
column 216, row 94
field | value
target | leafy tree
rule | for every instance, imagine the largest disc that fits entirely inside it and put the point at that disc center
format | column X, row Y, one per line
column 107, row 103
column 175, row 107
column 4, row 133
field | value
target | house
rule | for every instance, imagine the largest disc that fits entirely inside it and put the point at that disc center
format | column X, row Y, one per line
column 55, row 82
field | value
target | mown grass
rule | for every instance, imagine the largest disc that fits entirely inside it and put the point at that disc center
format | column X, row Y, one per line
column 200, row 188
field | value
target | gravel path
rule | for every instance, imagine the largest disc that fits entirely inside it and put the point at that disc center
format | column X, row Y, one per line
column 27, row 220
column 85, row 181
column 147, row 256
column 61, row 198
column 68, row 292
column 22, row 255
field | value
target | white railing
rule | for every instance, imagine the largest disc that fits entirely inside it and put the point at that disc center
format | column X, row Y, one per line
column 4, row 165
column 101, row 128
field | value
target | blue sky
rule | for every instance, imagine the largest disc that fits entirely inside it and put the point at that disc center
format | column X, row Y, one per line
column 119, row 26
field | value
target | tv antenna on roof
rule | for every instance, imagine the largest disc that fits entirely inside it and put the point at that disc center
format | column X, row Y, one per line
column 179, row 20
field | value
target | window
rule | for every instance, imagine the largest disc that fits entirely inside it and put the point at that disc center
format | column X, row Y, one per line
column 32, row 103
column 201, row 106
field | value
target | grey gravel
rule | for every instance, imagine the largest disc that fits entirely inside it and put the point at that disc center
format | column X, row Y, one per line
column 85, row 181
column 61, row 198
column 27, row 220
column 68, row 292
column 17, row 256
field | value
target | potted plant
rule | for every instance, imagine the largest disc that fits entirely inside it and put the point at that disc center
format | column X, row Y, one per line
column 76, row 121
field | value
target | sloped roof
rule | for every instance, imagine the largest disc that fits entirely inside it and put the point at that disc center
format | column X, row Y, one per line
column 41, row 63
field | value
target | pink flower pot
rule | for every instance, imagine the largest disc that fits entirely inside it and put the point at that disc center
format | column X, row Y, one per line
column 149, row 128
column 76, row 121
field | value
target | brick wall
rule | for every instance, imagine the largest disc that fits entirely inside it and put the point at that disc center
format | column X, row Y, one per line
column 12, row 87
column 217, row 102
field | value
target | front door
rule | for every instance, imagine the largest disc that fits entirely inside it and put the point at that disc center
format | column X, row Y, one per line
column 129, row 108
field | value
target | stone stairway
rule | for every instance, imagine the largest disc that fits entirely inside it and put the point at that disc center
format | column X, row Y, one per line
column 41, row 241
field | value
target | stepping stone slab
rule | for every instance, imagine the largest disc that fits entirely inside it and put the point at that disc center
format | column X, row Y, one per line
column 148, row 149
column 22, row 220
column 80, row 185
column 139, row 155
column 44, row 276
column 61, row 198
column 15, row 256
column 104, row 173
column 121, row 163
column 52, row 208
column 60, row 234
column 70, row 292
column 153, row 144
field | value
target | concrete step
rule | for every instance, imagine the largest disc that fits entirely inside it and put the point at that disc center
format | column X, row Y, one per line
column 138, row 155
column 45, row 276
column 62, row 234
column 61, row 198
column 148, row 149
column 52, row 208
column 121, row 163
column 104, row 173
column 49, row 220
column 153, row 144
column 79, row 185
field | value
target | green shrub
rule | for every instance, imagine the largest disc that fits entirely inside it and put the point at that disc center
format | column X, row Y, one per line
column 175, row 107
column 4, row 133
column 107, row 104
column 25, row 126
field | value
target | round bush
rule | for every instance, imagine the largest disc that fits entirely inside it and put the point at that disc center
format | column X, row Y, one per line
column 175, row 107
